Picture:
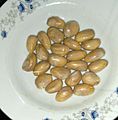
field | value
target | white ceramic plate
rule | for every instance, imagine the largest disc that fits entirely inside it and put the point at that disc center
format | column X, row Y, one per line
column 19, row 98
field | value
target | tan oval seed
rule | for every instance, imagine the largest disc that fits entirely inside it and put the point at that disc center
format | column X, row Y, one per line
column 60, row 72
column 76, row 55
column 44, row 39
column 83, row 90
column 55, row 35
column 72, row 44
column 64, row 94
column 77, row 65
column 59, row 49
column 98, row 65
column 95, row 55
column 74, row 78
column 41, row 68
column 91, row 44
column 85, row 35
column 56, row 21
column 90, row 78
column 71, row 28
column 57, row 60
column 41, row 52
column 43, row 80
column 31, row 43
column 29, row 63
column 54, row 86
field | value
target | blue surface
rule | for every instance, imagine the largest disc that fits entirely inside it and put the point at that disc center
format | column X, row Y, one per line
column 21, row 7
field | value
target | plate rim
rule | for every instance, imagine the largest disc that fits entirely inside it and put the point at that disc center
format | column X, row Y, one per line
column 17, row 99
